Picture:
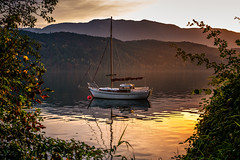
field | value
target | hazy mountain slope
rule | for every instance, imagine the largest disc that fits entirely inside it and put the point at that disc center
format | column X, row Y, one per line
column 127, row 30
column 70, row 51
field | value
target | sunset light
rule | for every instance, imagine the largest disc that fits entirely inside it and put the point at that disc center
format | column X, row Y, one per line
column 217, row 13
column 120, row 79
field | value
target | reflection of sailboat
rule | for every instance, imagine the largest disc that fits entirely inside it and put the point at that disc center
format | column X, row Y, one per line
column 110, row 106
column 125, row 91
column 107, row 104
column 121, row 104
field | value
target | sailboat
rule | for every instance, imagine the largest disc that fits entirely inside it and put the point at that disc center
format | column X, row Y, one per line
column 124, row 91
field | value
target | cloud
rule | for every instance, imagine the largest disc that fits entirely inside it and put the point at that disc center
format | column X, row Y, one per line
column 86, row 10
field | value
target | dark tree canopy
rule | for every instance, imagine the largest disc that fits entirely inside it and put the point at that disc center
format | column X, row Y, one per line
column 25, row 12
column 20, row 67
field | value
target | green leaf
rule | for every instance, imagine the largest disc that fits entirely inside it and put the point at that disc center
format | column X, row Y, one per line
column 208, row 91
column 237, row 123
column 197, row 91
column 48, row 90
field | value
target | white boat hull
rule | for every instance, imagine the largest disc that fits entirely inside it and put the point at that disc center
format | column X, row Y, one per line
column 133, row 94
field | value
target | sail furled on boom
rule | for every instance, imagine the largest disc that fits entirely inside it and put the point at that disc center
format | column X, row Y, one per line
column 126, row 79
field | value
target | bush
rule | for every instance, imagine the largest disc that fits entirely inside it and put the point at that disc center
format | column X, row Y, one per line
column 21, row 87
column 218, row 129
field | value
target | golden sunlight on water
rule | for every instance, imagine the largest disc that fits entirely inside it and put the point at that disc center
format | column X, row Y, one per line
column 151, row 138
column 154, row 127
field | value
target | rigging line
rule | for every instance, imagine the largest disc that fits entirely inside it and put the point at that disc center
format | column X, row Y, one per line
column 145, row 79
column 117, row 55
column 100, row 61
column 89, row 76
column 101, row 133
column 85, row 75
column 91, row 128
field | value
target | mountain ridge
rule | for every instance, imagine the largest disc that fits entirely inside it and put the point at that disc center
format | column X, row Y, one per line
column 127, row 30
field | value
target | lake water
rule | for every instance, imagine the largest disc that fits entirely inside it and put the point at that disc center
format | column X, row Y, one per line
column 154, row 127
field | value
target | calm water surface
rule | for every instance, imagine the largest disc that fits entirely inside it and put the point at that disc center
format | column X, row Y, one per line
column 154, row 127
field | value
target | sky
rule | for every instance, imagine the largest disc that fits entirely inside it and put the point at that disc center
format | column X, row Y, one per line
column 216, row 13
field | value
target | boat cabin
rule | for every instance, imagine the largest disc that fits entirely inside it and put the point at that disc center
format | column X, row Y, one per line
column 126, row 86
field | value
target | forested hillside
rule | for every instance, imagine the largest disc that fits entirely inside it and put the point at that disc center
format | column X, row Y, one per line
column 70, row 51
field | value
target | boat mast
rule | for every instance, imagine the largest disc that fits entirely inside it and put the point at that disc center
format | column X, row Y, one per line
column 111, row 56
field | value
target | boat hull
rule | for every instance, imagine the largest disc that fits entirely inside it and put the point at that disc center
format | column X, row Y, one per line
column 96, row 93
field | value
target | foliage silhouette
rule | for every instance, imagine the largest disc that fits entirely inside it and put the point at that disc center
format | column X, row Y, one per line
column 217, row 131
column 21, row 87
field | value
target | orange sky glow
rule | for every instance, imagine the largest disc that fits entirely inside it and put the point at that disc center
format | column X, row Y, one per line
column 217, row 13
